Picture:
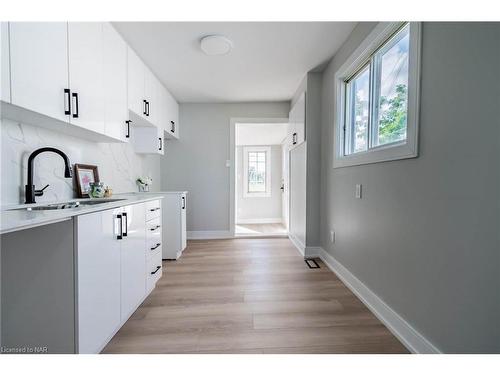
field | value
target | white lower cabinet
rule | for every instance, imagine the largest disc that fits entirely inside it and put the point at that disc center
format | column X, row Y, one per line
column 174, row 221
column 116, row 270
column 99, row 254
column 133, row 261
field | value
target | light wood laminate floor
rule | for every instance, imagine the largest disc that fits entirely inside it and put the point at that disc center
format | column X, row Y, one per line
column 250, row 296
column 249, row 230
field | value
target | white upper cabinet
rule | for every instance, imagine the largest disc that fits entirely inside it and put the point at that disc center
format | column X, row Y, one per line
column 151, row 95
column 39, row 67
column 136, row 93
column 86, row 75
column 297, row 119
column 115, row 82
column 5, row 62
column 172, row 107
column 148, row 140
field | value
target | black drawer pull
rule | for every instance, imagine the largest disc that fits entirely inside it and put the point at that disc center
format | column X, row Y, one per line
column 128, row 128
column 125, row 233
column 67, row 102
column 119, row 236
column 144, row 112
column 155, row 228
column 77, row 112
column 157, row 268
column 156, row 246
column 154, row 209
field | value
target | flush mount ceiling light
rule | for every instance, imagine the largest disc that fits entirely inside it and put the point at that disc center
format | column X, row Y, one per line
column 214, row 45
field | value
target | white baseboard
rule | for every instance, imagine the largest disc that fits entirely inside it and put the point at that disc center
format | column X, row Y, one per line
column 409, row 336
column 208, row 234
column 297, row 243
column 268, row 220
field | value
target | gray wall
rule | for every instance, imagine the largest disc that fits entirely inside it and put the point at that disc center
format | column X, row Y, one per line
column 251, row 208
column 119, row 166
column 425, row 236
column 197, row 161
column 298, row 193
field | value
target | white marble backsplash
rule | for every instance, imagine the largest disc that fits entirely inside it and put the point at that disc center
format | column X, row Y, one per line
column 119, row 166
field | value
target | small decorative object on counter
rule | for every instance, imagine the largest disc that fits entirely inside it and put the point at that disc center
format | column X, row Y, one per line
column 85, row 174
column 144, row 183
column 108, row 192
column 96, row 190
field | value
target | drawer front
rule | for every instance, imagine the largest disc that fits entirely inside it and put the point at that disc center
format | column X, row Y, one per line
column 153, row 229
column 154, row 270
column 153, row 209
column 153, row 250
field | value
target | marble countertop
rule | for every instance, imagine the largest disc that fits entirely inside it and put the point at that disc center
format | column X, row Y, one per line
column 17, row 217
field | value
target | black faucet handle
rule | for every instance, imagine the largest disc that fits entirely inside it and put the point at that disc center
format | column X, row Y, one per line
column 39, row 193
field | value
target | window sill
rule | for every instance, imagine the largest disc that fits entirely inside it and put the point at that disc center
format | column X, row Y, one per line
column 378, row 155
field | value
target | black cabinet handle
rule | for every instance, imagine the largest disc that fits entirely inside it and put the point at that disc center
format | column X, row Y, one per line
column 128, row 128
column 294, row 138
column 77, row 112
column 155, row 228
column 161, row 143
column 183, row 203
column 125, row 234
column 67, row 102
column 144, row 110
column 147, row 108
column 157, row 268
column 154, row 209
column 156, row 246
column 120, row 235
column 172, row 127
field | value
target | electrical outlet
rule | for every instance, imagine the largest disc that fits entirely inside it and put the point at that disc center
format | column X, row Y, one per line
column 332, row 236
column 358, row 191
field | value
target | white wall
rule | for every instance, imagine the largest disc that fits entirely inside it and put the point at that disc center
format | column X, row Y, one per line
column 197, row 162
column 119, row 165
column 255, row 208
column 425, row 237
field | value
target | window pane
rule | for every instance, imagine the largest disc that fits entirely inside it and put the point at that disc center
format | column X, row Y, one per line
column 257, row 172
column 358, row 91
column 393, row 100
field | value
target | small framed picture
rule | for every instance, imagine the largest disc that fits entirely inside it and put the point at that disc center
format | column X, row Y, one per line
column 85, row 175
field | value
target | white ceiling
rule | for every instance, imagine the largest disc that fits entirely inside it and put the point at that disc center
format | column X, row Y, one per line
column 260, row 134
column 267, row 63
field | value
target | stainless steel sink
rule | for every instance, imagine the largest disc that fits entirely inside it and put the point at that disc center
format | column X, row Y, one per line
column 67, row 205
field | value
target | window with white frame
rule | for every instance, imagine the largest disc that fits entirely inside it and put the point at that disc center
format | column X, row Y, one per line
column 377, row 97
column 257, row 171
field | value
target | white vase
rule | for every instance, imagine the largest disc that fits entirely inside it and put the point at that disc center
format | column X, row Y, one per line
column 143, row 188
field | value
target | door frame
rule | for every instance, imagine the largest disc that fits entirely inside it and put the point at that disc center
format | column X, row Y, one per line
column 232, row 159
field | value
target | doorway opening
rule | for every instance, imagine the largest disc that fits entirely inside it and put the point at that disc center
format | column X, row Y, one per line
column 260, row 178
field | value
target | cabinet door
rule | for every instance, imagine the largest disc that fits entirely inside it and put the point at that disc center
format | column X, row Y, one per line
column 172, row 130
column 148, row 140
column 151, row 92
column 162, row 119
column 5, row 63
column 86, row 75
column 300, row 119
column 39, row 67
column 115, row 81
column 183, row 221
column 98, row 280
column 133, row 259
column 135, row 81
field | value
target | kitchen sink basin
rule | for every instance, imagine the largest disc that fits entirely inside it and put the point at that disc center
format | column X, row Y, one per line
column 67, row 205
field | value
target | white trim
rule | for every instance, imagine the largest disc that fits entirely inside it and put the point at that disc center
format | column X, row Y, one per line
column 409, row 336
column 209, row 234
column 246, row 150
column 266, row 220
column 232, row 158
column 297, row 243
column 396, row 151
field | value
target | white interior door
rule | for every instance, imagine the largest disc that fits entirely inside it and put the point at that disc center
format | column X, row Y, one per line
column 39, row 67
column 285, row 194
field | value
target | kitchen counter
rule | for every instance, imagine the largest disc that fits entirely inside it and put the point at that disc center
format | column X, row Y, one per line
column 12, row 220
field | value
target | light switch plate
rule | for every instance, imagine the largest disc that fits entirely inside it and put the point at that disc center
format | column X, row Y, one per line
column 358, row 191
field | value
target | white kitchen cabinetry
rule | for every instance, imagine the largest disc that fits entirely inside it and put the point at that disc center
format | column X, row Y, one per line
column 172, row 117
column 133, row 261
column 136, row 82
column 148, row 140
column 115, row 82
column 297, row 119
column 5, row 62
column 39, row 67
column 98, row 279
column 154, row 241
column 86, row 75
column 174, row 221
